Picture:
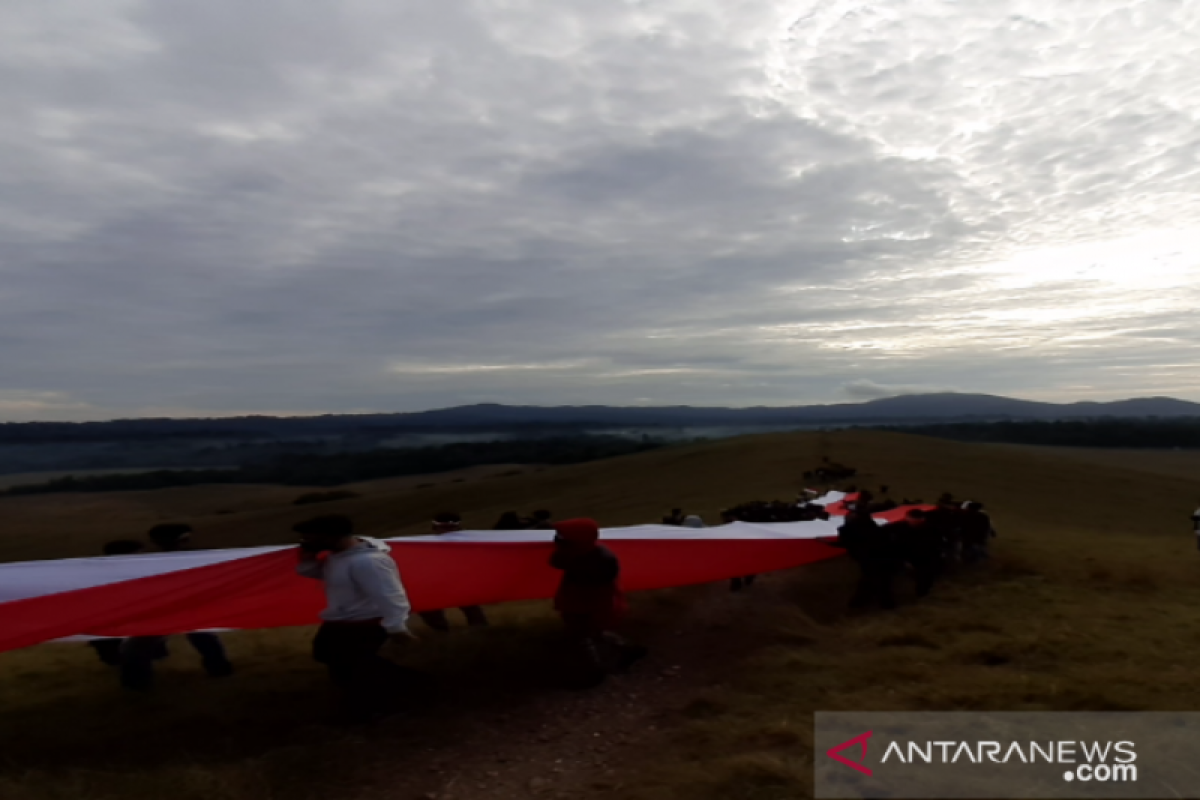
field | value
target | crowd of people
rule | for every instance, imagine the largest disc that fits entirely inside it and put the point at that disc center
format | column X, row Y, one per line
column 926, row 541
column 366, row 623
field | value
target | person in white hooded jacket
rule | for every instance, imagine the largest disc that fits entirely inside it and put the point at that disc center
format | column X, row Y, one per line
column 366, row 608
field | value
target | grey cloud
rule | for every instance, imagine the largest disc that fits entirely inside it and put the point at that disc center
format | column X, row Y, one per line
column 220, row 208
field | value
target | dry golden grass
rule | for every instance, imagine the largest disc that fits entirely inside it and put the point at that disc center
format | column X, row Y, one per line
column 1171, row 463
column 1089, row 604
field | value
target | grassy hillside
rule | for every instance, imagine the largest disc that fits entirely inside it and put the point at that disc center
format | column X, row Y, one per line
column 62, row 525
column 1053, row 487
column 1168, row 463
column 1089, row 604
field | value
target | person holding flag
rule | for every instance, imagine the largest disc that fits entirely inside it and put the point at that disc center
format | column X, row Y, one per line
column 367, row 607
column 590, row 601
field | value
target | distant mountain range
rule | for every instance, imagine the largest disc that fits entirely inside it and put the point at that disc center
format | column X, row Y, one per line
column 914, row 409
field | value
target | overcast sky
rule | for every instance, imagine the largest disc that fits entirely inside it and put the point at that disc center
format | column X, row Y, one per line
column 309, row 206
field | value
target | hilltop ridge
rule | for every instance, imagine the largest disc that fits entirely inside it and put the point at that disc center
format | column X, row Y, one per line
column 942, row 406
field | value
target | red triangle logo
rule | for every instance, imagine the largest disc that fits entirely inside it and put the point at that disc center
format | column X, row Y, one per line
column 860, row 740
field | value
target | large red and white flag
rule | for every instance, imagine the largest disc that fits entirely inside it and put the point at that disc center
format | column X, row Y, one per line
column 162, row 593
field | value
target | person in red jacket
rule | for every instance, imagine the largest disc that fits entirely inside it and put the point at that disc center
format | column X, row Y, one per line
column 589, row 599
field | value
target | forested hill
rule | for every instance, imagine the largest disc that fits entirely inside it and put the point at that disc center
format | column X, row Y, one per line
column 338, row 468
column 943, row 407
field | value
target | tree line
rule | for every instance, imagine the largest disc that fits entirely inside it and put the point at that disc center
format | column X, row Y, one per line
column 308, row 469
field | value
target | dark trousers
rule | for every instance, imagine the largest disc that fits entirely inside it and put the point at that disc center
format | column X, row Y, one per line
column 212, row 654
column 437, row 619
column 926, row 569
column 138, row 654
column 974, row 552
column 108, row 650
column 600, row 652
column 954, row 550
column 875, row 584
column 350, row 651
column 744, row 582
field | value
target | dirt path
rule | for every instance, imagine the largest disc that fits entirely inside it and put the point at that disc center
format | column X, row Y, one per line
column 572, row 744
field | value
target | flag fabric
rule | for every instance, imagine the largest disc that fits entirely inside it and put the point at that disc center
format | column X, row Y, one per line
column 163, row 593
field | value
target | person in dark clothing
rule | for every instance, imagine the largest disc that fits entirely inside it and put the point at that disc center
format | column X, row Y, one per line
column 541, row 521
column 509, row 521
column 123, row 547
column 920, row 546
column 744, row 581
column 109, row 650
column 976, row 528
column 451, row 522
column 944, row 523
column 138, row 653
column 170, row 537
column 1196, row 526
column 589, row 600
column 871, row 547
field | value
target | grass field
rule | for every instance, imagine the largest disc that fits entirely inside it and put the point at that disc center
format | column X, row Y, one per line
column 62, row 526
column 1089, row 604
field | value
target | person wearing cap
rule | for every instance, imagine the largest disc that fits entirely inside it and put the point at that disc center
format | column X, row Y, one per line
column 589, row 599
column 138, row 653
column 366, row 608
column 451, row 522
